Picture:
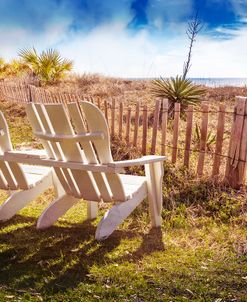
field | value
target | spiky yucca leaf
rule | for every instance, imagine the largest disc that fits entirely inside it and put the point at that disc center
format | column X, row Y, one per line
column 177, row 90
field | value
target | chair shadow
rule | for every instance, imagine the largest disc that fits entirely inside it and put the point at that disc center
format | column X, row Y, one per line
column 62, row 256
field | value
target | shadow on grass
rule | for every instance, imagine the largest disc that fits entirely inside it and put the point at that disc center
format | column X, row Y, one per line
column 61, row 257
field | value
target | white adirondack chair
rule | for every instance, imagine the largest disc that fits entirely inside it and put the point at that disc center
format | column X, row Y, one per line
column 77, row 142
column 24, row 183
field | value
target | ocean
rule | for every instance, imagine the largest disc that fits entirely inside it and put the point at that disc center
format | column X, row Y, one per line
column 212, row 82
column 221, row 82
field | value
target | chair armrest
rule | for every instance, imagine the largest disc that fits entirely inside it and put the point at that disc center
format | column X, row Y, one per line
column 137, row 162
column 24, row 154
column 39, row 158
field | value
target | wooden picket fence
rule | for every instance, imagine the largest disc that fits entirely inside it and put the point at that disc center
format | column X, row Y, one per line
column 154, row 132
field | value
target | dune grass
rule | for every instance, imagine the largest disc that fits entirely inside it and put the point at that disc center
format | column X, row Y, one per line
column 199, row 254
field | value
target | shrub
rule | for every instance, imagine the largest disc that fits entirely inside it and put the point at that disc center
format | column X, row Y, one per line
column 177, row 90
column 49, row 67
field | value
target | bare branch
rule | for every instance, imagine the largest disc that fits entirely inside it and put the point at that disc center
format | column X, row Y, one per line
column 194, row 27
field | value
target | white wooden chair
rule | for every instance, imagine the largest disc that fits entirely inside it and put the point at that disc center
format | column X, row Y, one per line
column 24, row 183
column 77, row 142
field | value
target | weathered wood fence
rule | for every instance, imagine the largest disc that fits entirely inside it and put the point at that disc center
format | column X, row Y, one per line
column 220, row 152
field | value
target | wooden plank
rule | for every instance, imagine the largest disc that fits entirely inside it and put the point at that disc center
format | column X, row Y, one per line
column 236, row 164
column 106, row 110
column 137, row 117
column 96, row 121
column 120, row 128
column 127, row 133
column 164, row 126
column 203, row 140
column 144, row 129
column 98, row 102
column 113, row 118
column 188, row 135
column 175, row 132
column 155, row 126
column 219, row 140
column 88, row 149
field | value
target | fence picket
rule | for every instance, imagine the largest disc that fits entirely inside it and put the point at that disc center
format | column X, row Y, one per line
column 188, row 135
column 120, row 127
column 155, row 126
column 175, row 132
column 137, row 116
column 128, row 120
column 164, row 126
column 144, row 129
column 203, row 140
column 236, row 163
column 113, row 118
column 106, row 110
column 219, row 140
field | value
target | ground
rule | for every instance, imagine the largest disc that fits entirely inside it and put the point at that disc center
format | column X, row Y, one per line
column 199, row 253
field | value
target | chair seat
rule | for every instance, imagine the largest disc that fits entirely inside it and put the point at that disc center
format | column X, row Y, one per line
column 133, row 184
column 34, row 174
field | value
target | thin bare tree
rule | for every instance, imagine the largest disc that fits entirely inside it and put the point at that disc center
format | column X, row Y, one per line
column 194, row 28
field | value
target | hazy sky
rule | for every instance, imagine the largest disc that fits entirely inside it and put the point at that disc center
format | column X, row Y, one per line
column 130, row 38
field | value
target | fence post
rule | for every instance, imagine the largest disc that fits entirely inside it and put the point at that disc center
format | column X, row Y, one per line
column 113, row 118
column 219, row 140
column 136, row 124
column 128, row 122
column 155, row 126
column 203, row 139
column 236, row 163
column 175, row 132
column 120, row 127
column 188, row 134
column 164, row 126
column 144, row 129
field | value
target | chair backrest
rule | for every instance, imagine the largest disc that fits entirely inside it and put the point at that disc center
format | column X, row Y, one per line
column 11, row 174
column 78, row 133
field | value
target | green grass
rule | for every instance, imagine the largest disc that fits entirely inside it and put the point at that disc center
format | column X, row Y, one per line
column 199, row 254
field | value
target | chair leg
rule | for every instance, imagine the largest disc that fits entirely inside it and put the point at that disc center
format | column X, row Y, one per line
column 117, row 214
column 20, row 199
column 55, row 210
column 58, row 188
column 154, row 173
column 92, row 209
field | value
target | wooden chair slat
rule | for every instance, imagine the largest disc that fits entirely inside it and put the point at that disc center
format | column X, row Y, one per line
column 91, row 157
column 72, row 152
column 97, row 122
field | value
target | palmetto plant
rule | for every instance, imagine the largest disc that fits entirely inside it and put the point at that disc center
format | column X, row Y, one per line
column 49, row 66
column 177, row 90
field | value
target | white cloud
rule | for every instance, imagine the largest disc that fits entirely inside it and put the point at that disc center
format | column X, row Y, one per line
column 225, row 58
column 111, row 50
column 168, row 11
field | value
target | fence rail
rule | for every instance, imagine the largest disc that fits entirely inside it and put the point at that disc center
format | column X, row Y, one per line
column 222, row 152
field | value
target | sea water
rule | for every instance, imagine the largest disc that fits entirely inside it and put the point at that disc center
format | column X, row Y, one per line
column 221, row 82
column 212, row 82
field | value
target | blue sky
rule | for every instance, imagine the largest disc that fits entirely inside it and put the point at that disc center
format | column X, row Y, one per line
column 131, row 38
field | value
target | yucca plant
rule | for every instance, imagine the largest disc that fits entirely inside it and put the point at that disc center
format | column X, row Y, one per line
column 177, row 90
column 49, row 66
column 210, row 140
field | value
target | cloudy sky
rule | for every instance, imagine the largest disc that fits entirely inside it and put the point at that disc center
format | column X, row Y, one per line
column 130, row 38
